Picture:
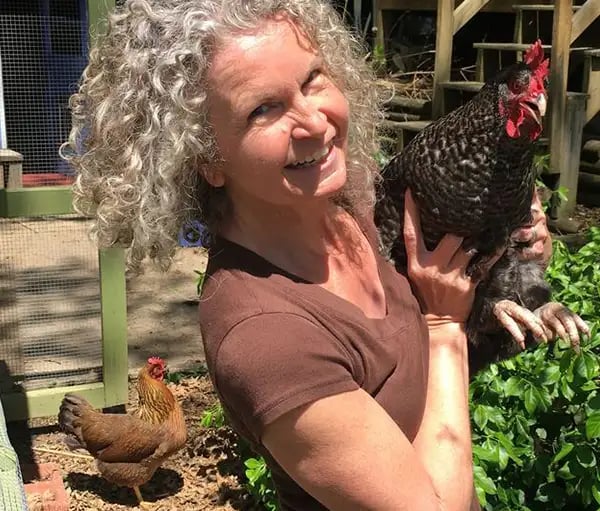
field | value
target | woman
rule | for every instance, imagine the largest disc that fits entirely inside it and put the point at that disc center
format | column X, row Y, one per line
column 258, row 118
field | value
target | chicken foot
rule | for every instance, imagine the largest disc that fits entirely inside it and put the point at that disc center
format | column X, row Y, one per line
column 548, row 321
column 142, row 503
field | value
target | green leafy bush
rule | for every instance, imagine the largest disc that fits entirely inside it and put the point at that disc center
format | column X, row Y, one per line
column 536, row 417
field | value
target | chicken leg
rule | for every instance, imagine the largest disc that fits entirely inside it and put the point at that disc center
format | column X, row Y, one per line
column 548, row 321
column 517, row 319
column 142, row 503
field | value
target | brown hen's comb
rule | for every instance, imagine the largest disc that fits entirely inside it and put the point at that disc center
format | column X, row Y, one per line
column 534, row 58
column 156, row 361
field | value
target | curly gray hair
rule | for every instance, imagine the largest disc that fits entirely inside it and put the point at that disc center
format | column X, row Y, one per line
column 140, row 130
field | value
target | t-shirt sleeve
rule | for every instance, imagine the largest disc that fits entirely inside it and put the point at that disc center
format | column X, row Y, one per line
column 272, row 363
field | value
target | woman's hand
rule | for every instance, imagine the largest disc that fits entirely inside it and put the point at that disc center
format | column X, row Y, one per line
column 536, row 235
column 439, row 276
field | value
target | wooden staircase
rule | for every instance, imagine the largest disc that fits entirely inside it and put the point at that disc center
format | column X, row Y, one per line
column 575, row 80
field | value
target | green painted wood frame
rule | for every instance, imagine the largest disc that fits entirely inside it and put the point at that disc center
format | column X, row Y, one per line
column 57, row 200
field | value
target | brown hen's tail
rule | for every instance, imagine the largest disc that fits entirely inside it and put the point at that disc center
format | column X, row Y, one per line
column 72, row 409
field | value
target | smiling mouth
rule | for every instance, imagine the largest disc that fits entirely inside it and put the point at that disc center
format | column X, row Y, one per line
column 313, row 159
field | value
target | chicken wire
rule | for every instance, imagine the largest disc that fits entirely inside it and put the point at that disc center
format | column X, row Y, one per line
column 42, row 58
column 50, row 324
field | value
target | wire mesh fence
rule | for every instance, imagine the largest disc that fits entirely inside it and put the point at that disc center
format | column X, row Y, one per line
column 50, row 326
column 50, row 318
column 41, row 58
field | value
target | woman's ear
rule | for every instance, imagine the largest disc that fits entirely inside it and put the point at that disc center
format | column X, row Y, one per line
column 213, row 175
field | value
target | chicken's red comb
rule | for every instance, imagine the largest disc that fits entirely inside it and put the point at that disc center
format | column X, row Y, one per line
column 534, row 58
column 156, row 361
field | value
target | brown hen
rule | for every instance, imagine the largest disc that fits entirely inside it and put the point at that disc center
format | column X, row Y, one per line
column 128, row 448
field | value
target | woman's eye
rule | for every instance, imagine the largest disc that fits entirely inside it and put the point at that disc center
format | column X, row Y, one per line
column 312, row 76
column 261, row 110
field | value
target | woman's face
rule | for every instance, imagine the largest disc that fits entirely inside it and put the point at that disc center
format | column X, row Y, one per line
column 280, row 122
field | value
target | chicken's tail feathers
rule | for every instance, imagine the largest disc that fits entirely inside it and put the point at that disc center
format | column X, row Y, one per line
column 71, row 410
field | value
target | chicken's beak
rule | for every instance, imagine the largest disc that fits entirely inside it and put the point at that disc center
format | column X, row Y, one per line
column 541, row 104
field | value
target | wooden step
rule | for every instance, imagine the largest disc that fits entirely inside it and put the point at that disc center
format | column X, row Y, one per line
column 414, row 126
column 463, row 86
column 539, row 7
column 524, row 47
column 593, row 52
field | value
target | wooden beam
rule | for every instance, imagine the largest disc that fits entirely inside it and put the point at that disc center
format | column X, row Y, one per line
column 378, row 24
column 465, row 11
column 443, row 54
column 584, row 17
column 559, row 66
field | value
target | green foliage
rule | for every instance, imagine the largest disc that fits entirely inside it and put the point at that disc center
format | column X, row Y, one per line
column 536, row 417
column 199, row 280
column 260, row 483
column 553, row 198
column 258, row 477
column 214, row 417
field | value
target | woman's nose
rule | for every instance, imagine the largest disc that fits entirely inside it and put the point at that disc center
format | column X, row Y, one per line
column 311, row 123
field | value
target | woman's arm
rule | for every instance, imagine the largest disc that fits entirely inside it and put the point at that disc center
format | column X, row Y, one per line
column 348, row 453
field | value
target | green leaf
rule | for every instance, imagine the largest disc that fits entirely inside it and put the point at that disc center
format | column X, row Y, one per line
column 513, row 386
column 565, row 473
column 531, row 399
column 585, row 456
column 592, row 425
column 596, row 493
column 565, row 449
column 566, row 390
column 483, row 482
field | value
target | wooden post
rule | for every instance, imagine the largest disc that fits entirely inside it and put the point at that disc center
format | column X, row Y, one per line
column 378, row 24
column 443, row 54
column 559, row 65
column 584, row 17
column 591, row 82
column 570, row 151
column 14, row 161
column 465, row 11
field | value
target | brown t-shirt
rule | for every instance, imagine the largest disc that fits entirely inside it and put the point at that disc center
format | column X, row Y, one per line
column 274, row 342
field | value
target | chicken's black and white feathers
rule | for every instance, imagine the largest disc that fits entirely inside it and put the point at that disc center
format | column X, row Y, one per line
column 469, row 178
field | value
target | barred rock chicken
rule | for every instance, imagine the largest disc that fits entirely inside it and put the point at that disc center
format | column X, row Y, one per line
column 471, row 174
column 128, row 448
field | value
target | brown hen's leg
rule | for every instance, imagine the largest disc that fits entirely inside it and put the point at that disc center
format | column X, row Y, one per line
column 142, row 503
column 517, row 320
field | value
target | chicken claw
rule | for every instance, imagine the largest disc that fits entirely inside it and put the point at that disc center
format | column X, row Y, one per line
column 559, row 321
column 517, row 319
column 148, row 506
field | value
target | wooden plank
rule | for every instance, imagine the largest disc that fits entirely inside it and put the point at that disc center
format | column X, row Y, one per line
column 431, row 5
column 114, row 325
column 570, row 151
column 538, row 7
column 443, row 54
column 523, row 47
column 465, row 11
column 45, row 402
column 559, row 65
column 584, row 17
column 591, row 83
column 378, row 23
column 463, row 86
column 32, row 202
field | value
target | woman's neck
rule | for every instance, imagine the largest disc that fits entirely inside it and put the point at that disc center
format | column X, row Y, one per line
column 300, row 242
